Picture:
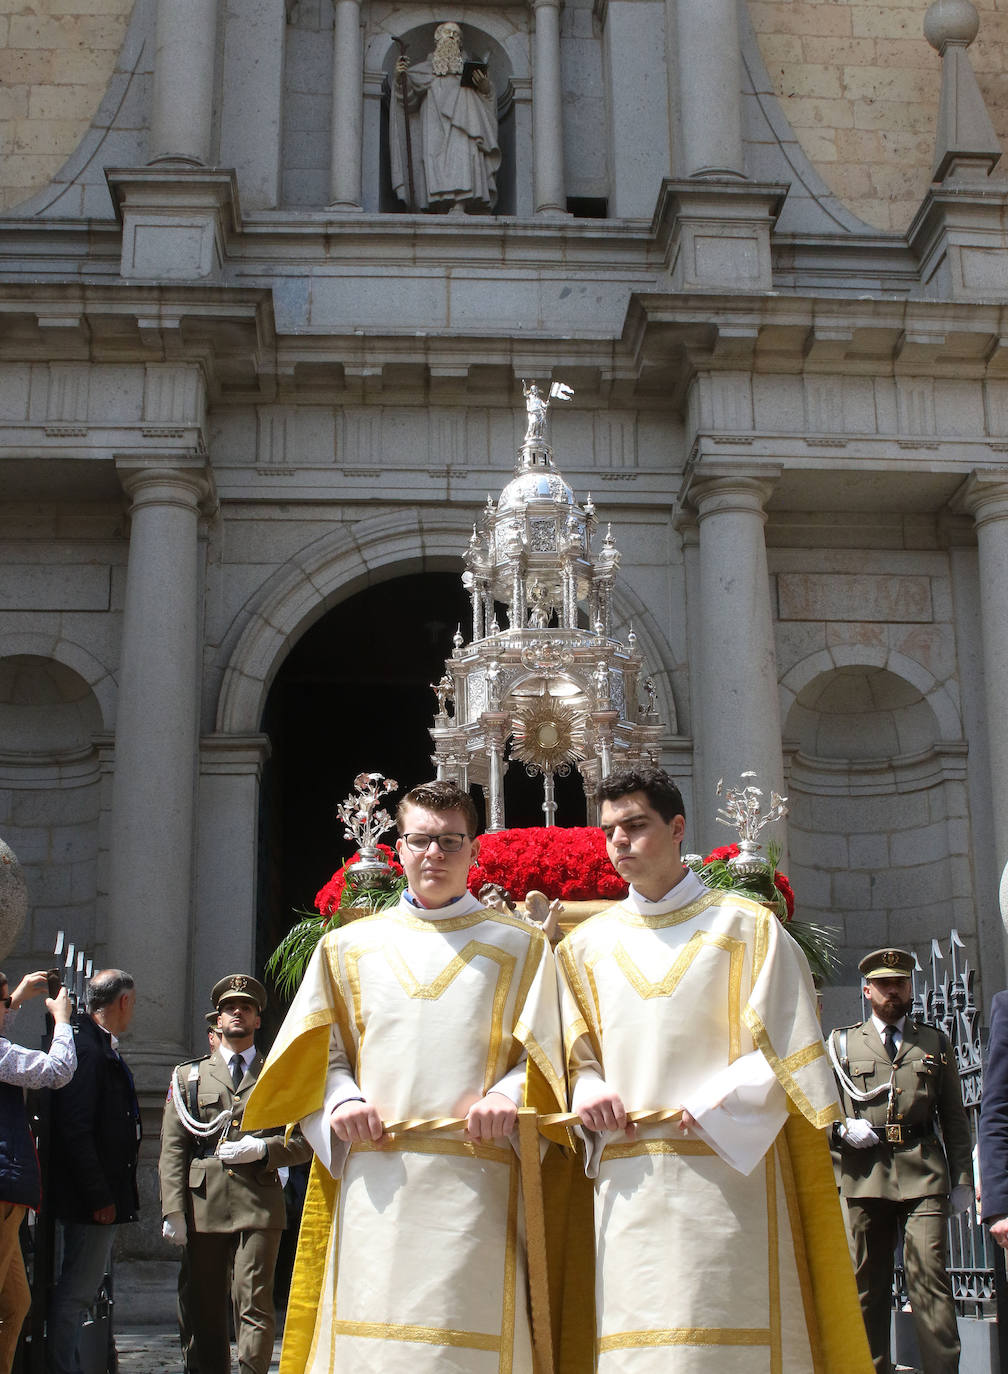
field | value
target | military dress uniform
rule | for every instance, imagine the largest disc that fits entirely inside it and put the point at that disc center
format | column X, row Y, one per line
column 235, row 1214
column 905, row 1178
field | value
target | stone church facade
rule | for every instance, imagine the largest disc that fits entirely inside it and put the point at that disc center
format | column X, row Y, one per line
column 240, row 384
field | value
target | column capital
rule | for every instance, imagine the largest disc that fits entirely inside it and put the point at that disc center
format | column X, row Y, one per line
column 546, row 4
column 234, row 755
column 167, row 480
column 985, row 496
column 743, row 492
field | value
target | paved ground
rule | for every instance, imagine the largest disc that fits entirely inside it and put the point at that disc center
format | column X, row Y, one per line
column 155, row 1350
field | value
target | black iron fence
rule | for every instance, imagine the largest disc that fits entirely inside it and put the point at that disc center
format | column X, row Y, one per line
column 944, row 997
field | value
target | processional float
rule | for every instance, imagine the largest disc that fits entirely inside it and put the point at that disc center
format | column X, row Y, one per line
column 553, row 688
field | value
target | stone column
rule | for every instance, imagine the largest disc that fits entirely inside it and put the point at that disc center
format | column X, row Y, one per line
column 986, row 499
column 740, row 724
column 154, row 785
column 227, row 871
column 185, row 50
column 710, row 88
column 547, row 110
column 347, row 107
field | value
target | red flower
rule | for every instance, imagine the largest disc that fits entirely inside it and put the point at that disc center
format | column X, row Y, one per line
column 569, row 863
column 785, row 889
column 328, row 898
column 726, row 852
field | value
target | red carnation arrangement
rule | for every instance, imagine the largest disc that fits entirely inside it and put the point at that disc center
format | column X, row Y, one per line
column 571, row 864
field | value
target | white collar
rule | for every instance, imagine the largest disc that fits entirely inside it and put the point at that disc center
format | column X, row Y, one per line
column 688, row 889
column 880, row 1026
column 458, row 906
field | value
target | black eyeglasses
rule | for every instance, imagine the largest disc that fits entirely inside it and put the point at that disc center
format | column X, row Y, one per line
column 449, row 843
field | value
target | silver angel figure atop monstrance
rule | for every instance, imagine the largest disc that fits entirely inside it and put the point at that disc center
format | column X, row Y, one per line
column 537, row 406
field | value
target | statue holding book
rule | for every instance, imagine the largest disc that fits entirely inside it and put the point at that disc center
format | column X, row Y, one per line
column 443, row 129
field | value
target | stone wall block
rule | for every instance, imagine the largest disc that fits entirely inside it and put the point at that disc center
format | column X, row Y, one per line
column 915, row 886
column 908, row 848
column 852, row 891
column 869, row 851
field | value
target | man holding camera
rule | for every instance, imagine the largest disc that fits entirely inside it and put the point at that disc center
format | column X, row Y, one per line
column 95, row 1142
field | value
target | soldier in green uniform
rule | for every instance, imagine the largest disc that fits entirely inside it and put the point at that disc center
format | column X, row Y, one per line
column 899, row 1086
column 221, row 1196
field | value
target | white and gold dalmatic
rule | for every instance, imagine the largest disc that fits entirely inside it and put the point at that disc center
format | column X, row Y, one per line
column 722, row 1252
column 411, row 1257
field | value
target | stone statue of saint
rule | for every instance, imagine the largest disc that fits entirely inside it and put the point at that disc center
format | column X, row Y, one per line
column 447, row 157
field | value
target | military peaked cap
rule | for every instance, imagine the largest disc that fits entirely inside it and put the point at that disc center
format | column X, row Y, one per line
column 239, row 985
column 887, row 963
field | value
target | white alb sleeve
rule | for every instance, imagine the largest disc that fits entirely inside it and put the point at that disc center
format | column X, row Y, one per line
column 740, row 1110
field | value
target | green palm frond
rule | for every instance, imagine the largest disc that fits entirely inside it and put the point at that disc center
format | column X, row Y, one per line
column 289, row 960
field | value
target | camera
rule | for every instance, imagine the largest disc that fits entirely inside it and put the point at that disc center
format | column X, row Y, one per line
column 54, row 977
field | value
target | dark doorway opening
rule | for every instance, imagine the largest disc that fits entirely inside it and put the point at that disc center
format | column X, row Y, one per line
column 352, row 696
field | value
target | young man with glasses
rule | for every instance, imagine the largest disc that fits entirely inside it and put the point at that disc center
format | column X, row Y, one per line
column 411, row 1256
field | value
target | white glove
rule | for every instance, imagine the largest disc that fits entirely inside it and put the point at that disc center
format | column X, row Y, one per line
column 245, row 1150
column 173, row 1228
column 960, row 1198
column 857, row 1133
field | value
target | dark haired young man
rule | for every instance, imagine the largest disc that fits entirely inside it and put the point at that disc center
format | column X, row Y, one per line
column 410, row 1257
column 685, row 998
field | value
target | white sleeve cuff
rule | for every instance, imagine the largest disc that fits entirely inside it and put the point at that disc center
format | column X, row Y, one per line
column 332, row 1153
column 588, row 1081
column 740, row 1111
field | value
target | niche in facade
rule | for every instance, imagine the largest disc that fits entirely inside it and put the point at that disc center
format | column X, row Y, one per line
column 428, row 165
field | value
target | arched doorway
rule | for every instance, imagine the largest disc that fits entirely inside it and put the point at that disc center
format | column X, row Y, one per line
column 354, row 695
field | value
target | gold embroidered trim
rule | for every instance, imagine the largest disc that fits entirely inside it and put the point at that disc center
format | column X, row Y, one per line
column 802, row 1058
column 581, row 1026
column 685, row 1335
column 424, row 1335
column 666, row 986
column 773, row 1264
column 819, row 1117
column 541, row 1059
column 437, row 1145
column 506, row 1362
column 533, row 959
column 339, row 1008
column 800, row 1255
column 669, row 918
column 436, row 988
column 761, row 938
column 663, row 1146
column 335, row 1232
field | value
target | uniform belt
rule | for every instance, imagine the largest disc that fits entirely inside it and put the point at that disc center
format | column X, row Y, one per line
column 899, row 1135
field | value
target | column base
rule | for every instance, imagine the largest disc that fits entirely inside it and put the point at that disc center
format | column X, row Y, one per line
column 716, row 233
column 176, row 220
column 960, row 238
